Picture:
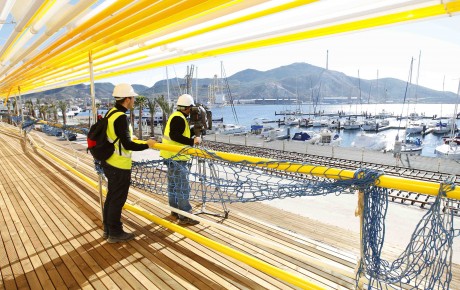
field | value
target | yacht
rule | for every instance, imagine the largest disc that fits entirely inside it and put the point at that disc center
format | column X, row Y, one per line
column 75, row 110
column 442, row 127
column 410, row 144
column 306, row 136
column 414, row 127
column 452, row 138
column 369, row 125
column 450, row 151
column 292, row 121
column 351, row 124
column 329, row 137
column 231, row 129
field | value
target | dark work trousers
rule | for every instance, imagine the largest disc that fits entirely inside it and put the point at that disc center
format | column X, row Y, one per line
column 119, row 181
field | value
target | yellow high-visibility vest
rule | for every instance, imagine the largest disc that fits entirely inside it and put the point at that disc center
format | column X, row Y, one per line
column 167, row 140
column 123, row 160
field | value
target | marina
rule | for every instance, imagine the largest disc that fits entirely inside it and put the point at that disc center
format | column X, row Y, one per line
column 321, row 161
column 394, row 128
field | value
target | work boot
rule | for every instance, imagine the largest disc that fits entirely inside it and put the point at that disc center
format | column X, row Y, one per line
column 188, row 221
column 123, row 237
column 105, row 234
column 175, row 215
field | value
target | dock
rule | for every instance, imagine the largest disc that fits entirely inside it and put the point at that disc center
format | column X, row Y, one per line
column 50, row 227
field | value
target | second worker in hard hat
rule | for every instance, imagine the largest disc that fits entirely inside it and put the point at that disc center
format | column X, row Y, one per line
column 178, row 132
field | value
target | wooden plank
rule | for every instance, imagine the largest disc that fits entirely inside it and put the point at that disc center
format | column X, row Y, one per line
column 8, row 277
column 60, row 219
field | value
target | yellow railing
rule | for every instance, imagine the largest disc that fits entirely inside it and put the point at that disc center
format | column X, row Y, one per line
column 384, row 181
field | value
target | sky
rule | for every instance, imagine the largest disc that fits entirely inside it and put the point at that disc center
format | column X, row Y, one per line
column 387, row 50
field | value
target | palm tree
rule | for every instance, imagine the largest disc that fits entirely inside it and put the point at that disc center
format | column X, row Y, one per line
column 15, row 107
column 131, row 118
column 63, row 107
column 152, row 104
column 43, row 109
column 37, row 103
column 30, row 108
column 54, row 110
column 166, row 108
column 140, row 102
column 8, row 103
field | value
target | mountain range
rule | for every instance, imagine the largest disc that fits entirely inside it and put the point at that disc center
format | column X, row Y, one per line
column 297, row 81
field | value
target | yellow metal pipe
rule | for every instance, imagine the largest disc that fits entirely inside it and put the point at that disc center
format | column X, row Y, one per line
column 431, row 11
column 384, row 181
column 58, row 47
column 160, row 25
column 141, row 14
column 247, row 259
column 119, row 32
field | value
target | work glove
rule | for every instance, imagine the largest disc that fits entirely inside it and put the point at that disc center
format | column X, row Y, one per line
column 151, row 143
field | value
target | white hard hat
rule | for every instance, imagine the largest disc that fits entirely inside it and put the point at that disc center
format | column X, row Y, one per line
column 124, row 91
column 185, row 101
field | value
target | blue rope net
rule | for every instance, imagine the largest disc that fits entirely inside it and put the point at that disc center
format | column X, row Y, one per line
column 425, row 263
column 217, row 180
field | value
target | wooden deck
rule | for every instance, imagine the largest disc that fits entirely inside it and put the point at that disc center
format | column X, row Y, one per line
column 50, row 235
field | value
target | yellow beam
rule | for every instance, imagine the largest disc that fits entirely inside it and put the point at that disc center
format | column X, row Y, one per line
column 415, row 14
column 108, row 47
column 96, row 41
column 448, row 8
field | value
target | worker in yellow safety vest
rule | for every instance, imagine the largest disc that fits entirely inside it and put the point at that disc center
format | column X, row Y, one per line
column 117, row 168
column 177, row 132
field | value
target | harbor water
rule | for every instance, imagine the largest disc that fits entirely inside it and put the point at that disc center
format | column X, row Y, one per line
column 245, row 114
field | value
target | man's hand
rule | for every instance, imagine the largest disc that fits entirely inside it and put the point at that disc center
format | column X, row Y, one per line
column 197, row 140
column 151, row 143
column 134, row 137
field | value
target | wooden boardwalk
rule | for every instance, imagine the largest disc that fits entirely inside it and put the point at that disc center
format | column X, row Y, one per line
column 50, row 235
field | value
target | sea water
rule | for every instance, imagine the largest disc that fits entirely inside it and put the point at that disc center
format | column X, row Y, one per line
column 245, row 114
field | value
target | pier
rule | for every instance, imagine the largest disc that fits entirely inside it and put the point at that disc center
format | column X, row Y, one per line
column 55, row 239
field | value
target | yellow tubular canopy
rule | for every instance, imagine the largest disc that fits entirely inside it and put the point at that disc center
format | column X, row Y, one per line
column 131, row 36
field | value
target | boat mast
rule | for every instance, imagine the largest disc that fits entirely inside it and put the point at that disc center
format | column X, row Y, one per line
column 416, row 81
column 409, row 81
column 452, row 127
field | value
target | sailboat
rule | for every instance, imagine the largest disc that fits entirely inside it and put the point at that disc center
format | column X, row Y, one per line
column 409, row 143
column 415, row 123
column 443, row 127
column 451, row 149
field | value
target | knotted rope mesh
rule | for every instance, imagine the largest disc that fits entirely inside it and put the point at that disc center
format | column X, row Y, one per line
column 424, row 264
column 217, row 180
column 426, row 261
